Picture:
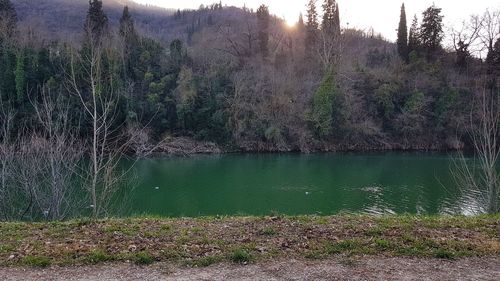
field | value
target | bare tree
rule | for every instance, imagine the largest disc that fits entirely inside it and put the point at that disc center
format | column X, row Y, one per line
column 479, row 175
column 6, row 158
column 329, row 49
column 61, row 157
column 465, row 39
column 39, row 167
column 99, row 97
column 490, row 29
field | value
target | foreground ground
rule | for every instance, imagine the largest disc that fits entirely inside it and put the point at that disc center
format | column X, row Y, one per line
column 379, row 268
column 303, row 248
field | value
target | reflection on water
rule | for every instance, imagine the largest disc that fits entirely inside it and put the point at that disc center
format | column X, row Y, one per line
column 390, row 183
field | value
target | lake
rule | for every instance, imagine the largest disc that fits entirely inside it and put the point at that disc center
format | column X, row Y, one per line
column 296, row 184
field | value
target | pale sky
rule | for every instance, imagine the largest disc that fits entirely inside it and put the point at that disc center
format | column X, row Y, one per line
column 382, row 15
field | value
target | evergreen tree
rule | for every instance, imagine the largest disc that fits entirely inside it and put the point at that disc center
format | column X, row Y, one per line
column 311, row 27
column 300, row 24
column 263, row 18
column 331, row 18
column 7, row 78
column 96, row 23
column 131, row 48
column 326, row 107
column 413, row 38
column 186, row 98
column 8, row 19
column 462, row 55
column 328, row 15
column 20, row 76
column 493, row 64
column 431, row 31
column 177, row 54
column 402, row 41
column 336, row 20
column 127, row 29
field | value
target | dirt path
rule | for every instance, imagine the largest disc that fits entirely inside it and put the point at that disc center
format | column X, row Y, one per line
column 334, row 269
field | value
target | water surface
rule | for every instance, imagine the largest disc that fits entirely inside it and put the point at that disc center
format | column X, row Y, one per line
column 293, row 184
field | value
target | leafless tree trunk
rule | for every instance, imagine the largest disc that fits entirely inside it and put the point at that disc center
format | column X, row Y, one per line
column 329, row 49
column 6, row 157
column 39, row 167
column 61, row 157
column 99, row 99
column 479, row 176
column 490, row 29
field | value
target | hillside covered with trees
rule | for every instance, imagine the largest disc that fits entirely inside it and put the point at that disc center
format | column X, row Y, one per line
column 245, row 80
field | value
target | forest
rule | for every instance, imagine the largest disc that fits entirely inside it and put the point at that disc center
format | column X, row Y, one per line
column 246, row 81
column 127, row 81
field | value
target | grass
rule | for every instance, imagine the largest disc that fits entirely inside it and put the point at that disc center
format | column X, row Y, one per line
column 98, row 256
column 205, row 241
column 36, row 261
column 269, row 231
column 143, row 258
column 240, row 255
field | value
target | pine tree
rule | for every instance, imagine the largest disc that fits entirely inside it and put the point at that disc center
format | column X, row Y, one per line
column 20, row 76
column 263, row 18
column 300, row 24
column 331, row 18
column 96, row 23
column 131, row 48
column 7, row 78
column 403, row 35
column 127, row 29
column 8, row 19
column 431, row 31
column 311, row 27
column 462, row 55
column 413, row 38
column 328, row 15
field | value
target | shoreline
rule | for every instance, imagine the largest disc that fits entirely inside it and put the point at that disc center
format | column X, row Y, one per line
column 184, row 146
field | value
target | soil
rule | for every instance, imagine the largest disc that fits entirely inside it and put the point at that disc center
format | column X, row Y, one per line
column 364, row 268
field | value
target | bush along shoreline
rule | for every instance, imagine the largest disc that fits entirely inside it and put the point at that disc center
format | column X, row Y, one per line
column 208, row 240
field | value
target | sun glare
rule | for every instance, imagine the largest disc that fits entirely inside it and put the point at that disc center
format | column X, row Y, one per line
column 290, row 23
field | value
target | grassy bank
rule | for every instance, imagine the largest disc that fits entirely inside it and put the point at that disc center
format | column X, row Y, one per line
column 204, row 241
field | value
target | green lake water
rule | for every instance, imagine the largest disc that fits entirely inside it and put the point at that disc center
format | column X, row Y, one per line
column 294, row 184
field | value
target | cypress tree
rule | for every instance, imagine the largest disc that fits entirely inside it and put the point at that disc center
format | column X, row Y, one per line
column 431, row 30
column 300, row 24
column 263, row 18
column 328, row 15
column 20, row 76
column 7, row 78
column 96, row 23
column 127, row 29
column 311, row 27
column 402, row 41
column 413, row 38
column 8, row 19
column 336, row 20
column 331, row 18
column 130, row 39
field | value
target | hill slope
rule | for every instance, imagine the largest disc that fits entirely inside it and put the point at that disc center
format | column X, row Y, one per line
column 63, row 19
